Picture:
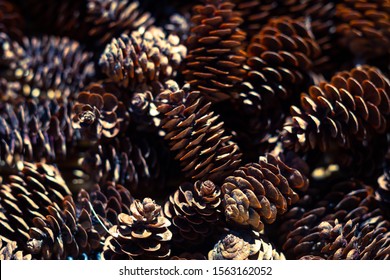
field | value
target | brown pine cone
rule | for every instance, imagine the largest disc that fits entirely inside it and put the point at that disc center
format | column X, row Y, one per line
column 98, row 113
column 11, row 20
column 49, row 67
column 8, row 251
column 244, row 246
column 143, row 234
column 194, row 211
column 25, row 193
column 258, row 192
column 364, row 27
column 196, row 135
column 354, row 106
column 214, row 64
column 142, row 58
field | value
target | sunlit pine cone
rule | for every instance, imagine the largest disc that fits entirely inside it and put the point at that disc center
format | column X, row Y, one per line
column 245, row 245
column 97, row 113
column 66, row 232
column 25, row 193
column 142, row 58
column 9, row 251
column 196, row 135
column 142, row 234
column 364, row 27
column 257, row 192
column 107, row 19
column 214, row 64
column 11, row 20
column 48, row 67
column 194, row 212
column 354, row 105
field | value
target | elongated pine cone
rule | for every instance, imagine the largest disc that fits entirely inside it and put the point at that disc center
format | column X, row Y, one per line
column 257, row 192
column 142, row 234
column 98, row 113
column 25, row 194
column 49, row 67
column 245, row 245
column 11, row 20
column 142, row 58
column 9, row 251
column 196, row 135
column 214, row 64
column 194, row 211
column 353, row 106
column 364, row 27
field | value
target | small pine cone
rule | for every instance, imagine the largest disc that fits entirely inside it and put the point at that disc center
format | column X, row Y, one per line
column 258, row 192
column 280, row 57
column 142, row 234
column 66, row 232
column 8, row 251
column 214, row 64
column 143, row 110
column 196, row 135
column 244, row 246
column 142, row 58
column 25, row 193
column 11, row 20
column 194, row 211
column 364, row 27
column 353, row 106
column 48, row 67
column 107, row 19
column 98, row 113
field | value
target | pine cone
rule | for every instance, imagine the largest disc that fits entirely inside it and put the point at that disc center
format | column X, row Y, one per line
column 98, row 113
column 179, row 25
column 8, row 251
column 11, row 21
column 354, row 105
column 214, row 64
column 258, row 192
column 244, row 246
column 25, row 193
column 143, row 234
column 195, row 135
column 364, row 27
column 48, row 67
column 193, row 210
column 142, row 58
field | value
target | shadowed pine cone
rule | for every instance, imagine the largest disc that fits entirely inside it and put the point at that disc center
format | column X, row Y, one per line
column 258, row 192
column 143, row 234
column 244, row 246
column 142, row 58
column 25, row 193
column 214, row 64
column 8, row 251
column 48, row 67
column 364, row 26
column 11, row 21
column 196, row 135
column 194, row 211
column 354, row 105
column 179, row 24
column 98, row 113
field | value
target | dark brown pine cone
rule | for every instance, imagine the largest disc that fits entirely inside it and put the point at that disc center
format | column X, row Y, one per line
column 364, row 27
column 196, row 135
column 245, row 245
column 142, row 58
column 98, row 113
column 11, row 20
column 107, row 19
column 9, row 251
column 142, row 234
column 194, row 212
column 214, row 64
column 25, row 193
column 66, row 232
column 354, row 106
column 258, row 192
column 48, row 67
column 34, row 130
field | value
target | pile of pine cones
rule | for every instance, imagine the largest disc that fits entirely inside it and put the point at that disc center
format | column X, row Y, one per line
column 210, row 129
